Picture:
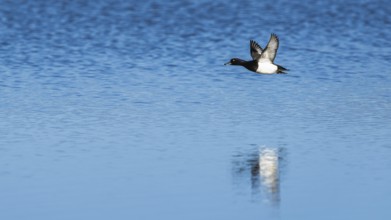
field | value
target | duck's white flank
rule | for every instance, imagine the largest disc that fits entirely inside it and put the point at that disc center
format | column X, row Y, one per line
column 266, row 68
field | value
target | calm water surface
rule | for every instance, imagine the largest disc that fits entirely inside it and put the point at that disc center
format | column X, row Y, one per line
column 124, row 110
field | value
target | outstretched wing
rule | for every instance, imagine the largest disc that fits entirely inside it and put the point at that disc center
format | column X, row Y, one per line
column 255, row 50
column 270, row 51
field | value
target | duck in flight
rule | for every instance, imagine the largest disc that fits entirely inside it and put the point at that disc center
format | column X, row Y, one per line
column 263, row 59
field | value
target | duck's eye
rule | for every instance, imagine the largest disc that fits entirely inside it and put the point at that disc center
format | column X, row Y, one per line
column 233, row 60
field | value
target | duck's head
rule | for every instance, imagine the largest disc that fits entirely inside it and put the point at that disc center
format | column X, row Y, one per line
column 234, row 61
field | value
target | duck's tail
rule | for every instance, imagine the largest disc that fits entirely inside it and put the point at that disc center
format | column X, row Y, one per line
column 281, row 70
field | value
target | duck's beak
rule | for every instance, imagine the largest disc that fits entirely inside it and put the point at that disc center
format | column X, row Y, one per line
column 229, row 63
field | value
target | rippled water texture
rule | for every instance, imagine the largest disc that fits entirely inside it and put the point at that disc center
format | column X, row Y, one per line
column 124, row 110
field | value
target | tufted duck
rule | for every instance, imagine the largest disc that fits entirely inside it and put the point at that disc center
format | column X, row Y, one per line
column 263, row 59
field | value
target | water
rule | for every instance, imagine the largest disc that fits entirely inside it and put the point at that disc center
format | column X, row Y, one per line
column 124, row 110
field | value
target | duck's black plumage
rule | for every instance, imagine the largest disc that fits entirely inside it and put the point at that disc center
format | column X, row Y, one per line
column 251, row 65
column 281, row 69
column 255, row 50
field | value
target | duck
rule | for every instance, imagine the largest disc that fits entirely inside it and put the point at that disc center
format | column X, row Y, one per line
column 263, row 59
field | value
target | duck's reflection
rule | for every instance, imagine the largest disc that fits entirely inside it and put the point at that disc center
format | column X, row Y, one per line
column 264, row 168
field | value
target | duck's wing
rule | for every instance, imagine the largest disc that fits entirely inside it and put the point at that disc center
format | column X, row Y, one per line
column 270, row 52
column 255, row 50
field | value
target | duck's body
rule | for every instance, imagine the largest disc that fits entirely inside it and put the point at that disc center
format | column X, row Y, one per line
column 262, row 59
column 258, row 67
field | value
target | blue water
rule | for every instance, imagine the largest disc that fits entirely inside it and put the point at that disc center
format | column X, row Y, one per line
column 124, row 110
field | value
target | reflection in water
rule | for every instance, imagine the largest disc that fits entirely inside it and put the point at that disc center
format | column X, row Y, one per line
column 268, row 171
column 263, row 166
